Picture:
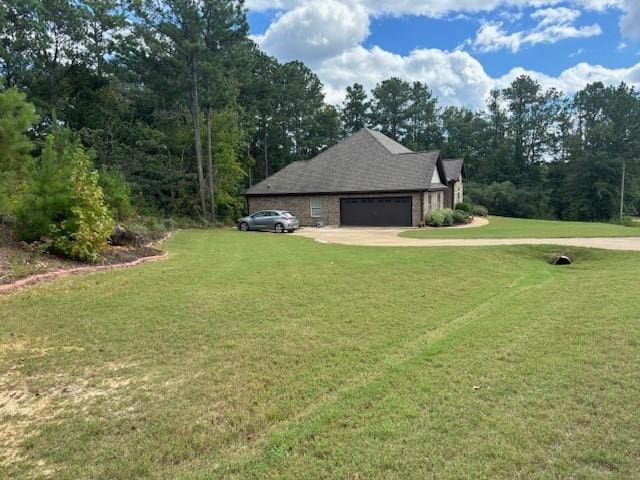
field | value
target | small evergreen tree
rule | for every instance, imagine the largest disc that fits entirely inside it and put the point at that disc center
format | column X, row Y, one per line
column 48, row 200
column 16, row 117
column 65, row 204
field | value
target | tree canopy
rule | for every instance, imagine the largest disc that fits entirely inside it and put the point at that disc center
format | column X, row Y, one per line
column 183, row 111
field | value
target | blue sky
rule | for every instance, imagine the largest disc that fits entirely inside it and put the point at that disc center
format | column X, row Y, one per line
column 462, row 48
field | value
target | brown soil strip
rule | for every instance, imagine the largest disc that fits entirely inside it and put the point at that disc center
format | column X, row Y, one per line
column 52, row 275
column 43, row 277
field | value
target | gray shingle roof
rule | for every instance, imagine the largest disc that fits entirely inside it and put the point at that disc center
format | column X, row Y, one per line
column 388, row 143
column 452, row 168
column 368, row 161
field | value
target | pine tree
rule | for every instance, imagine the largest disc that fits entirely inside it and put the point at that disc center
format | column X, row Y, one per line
column 355, row 111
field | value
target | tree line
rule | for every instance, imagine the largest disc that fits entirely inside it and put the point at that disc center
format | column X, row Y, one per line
column 531, row 152
column 177, row 108
column 171, row 96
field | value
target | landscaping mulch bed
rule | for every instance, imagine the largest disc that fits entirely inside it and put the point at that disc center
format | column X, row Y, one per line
column 18, row 263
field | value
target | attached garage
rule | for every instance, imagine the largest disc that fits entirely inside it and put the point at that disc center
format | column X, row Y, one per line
column 376, row 212
column 366, row 180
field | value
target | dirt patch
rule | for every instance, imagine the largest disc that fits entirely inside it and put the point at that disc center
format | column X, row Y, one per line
column 24, row 406
column 16, row 263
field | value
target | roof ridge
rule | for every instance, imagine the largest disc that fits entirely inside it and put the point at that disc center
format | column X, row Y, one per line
column 374, row 134
column 421, row 153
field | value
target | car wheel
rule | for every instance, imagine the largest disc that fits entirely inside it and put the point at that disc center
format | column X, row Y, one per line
column 291, row 230
column 279, row 228
column 244, row 227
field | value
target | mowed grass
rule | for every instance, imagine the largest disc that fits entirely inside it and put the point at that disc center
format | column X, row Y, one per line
column 503, row 227
column 264, row 356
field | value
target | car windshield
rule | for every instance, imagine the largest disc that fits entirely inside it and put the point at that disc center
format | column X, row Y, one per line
column 287, row 214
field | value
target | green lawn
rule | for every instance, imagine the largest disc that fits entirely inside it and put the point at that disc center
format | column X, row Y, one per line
column 259, row 356
column 503, row 227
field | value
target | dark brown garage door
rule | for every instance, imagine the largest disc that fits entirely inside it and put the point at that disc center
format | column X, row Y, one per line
column 376, row 212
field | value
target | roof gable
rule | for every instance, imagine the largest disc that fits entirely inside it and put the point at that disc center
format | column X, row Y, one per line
column 453, row 169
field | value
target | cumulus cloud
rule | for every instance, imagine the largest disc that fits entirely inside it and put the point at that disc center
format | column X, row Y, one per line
column 630, row 22
column 554, row 25
column 455, row 77
column 316, row 30
column 329, row 36
column 437, row 8
column 575, row 78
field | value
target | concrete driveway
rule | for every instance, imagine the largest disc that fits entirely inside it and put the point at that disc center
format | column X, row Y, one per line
column 388, row 237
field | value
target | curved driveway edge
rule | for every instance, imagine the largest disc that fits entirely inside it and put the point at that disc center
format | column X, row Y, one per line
column 388, row 237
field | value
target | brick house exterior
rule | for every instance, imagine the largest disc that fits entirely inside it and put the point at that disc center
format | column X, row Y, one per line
column 454, row 176
column 368, row 179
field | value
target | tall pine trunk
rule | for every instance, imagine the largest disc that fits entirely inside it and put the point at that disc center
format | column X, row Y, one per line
column 210, row 172
column 624, row 175
column 195, row 113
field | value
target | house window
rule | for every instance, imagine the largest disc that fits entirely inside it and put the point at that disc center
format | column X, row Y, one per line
column 316, row 210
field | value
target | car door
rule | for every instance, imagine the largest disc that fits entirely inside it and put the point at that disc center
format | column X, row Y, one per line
column 270, row 220
column 259, row 220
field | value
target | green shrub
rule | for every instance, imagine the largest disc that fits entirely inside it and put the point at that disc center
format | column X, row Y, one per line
column 152, row 227
column 630, row 222
column 435, row 218
column 509, row 200
column 444, row 217
column 65, row 204
column 465, row 207
column 448, row 217
column 117, row 193
column 149, row 227
column 460, row 217
column 480, row 211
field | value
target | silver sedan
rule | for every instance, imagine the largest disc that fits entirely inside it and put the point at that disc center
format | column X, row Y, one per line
column 277, row 221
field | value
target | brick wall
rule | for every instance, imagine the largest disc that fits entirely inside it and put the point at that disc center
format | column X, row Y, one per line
column 330, row 206
column 434, row 200
column 455, row 193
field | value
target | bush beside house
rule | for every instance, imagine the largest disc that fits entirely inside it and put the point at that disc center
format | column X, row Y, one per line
column 463, row 214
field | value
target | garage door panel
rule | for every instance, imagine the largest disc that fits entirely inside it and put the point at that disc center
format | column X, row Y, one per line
column 376, row 211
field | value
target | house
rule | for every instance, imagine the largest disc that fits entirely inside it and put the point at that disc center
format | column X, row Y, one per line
column 366, row 180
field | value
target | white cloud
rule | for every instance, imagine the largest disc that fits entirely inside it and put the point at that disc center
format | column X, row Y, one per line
column 328, row 34
column 577, row 77
column 492, row 37
column 455, row 77
column 554, row 25
column 578, row 52
column 316, row 30
column 630, row 22
column 511, row 16
column 437, row 8
column 553, row 16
